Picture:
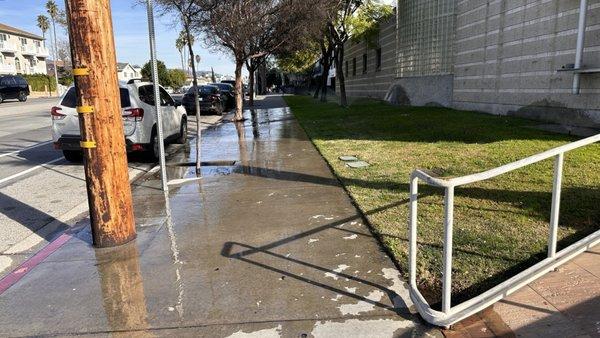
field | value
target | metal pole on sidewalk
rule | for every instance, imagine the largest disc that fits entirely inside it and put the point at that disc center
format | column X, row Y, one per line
column 99, row 108
column 157, row 101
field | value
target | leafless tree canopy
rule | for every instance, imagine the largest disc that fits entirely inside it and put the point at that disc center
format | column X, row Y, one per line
column 253, row 29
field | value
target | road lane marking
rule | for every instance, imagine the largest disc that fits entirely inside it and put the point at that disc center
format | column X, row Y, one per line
column 43, row 165
column 25, row 149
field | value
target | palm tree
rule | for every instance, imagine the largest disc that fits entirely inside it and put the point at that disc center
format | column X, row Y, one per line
column 43, row 24
column 180, row 45
column 54, row 13
column 182, row 41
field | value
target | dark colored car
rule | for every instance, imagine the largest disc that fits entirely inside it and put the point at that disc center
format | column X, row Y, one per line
column 13, row 87
column 210, row 100
column 232, row 82
column 227, row 94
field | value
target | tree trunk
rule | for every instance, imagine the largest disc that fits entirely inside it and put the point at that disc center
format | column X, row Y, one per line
column 251, row 67
column 239, row 91
column 339, row 60
column 318, row 90
column 196, row 99
column 182, row 61
column 324, row 77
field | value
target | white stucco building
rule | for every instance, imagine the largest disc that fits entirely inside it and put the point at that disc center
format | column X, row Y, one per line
column 21, row 52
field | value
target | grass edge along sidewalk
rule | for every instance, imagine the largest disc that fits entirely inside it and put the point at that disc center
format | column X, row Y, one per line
column 501, row 225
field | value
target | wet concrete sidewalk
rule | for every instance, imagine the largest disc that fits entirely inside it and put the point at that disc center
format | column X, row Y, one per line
column 267, row 244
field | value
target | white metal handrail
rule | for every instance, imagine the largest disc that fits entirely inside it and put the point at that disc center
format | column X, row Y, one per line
column 451, row 314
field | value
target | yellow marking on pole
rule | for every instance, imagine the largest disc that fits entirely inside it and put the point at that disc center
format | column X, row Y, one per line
column 85, row 109
column 87, row 144
column 81, row 71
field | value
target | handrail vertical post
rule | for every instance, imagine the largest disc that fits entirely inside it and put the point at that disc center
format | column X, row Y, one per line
column 448, row 224
column 412, row 236
column 555, row 212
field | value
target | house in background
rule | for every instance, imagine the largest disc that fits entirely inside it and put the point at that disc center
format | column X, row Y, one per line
column 126, row 71
column 138, row 71
column 21, row 52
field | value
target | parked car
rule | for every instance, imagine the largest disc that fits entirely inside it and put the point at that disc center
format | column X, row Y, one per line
column 227, row 94
column 244, row 86
column 13, row 87
column 139, row 120
column 209, row 97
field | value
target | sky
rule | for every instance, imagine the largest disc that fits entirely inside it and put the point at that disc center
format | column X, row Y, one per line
column 130, row 25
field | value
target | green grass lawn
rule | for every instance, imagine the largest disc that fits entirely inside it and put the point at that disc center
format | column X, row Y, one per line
column 501, row 225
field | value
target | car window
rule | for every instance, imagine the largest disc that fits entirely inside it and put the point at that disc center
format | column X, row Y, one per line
column 165, row 98
column 125, row 99
column 147, row 94
column 8, row 81
column 70, row 99
column 21, row 81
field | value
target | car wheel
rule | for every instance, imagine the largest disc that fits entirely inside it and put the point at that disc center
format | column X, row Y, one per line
column 182, row 132
column 73, row 155
column 22, row 96
column 153, row 152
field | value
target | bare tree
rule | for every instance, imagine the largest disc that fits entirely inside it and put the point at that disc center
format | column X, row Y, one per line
column 251, row 30
column 311, row 39
column 252, row 66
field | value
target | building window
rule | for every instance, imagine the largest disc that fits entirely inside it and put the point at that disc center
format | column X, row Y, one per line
column 364, row 63
column 378, row 59
column 354, row 67
column 3, row 39
column 347, row 68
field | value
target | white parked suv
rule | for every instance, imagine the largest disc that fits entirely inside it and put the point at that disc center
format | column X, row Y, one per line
column 139, row 120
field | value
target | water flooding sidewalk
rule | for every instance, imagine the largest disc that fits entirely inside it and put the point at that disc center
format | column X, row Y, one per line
column 267, row 244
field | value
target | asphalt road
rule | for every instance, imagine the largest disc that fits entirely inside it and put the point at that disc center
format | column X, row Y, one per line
column 41, row 194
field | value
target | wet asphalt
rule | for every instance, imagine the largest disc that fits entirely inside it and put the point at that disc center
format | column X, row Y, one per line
column 266, row 244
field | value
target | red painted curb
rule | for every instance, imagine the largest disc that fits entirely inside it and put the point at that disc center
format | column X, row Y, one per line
column 32, row 262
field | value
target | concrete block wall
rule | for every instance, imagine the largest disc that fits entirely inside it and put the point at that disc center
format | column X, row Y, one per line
column 375, row 82
column 507, row 53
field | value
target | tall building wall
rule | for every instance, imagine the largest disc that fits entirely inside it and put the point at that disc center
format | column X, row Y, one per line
column 507, row 54
column 374, row 81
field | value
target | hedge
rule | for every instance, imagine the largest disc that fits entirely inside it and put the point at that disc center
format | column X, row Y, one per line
column 40, row 82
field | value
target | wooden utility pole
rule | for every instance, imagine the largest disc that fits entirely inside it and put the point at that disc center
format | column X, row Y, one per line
column 99, row 108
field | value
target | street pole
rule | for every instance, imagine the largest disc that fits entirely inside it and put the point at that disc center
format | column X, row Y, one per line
column 99, row 108
column 159, row 121
column 198, row 120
